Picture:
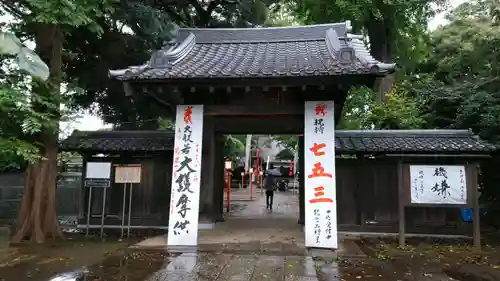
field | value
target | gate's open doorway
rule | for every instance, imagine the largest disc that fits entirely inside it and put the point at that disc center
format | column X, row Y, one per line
column 249, row 223
column 260, row 178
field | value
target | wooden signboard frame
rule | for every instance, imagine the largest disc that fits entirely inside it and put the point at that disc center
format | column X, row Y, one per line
column 97, row 174
column 469, row 177
column 128, row 175
column 404, row 194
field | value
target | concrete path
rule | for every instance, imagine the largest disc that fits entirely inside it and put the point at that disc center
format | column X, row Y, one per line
column 285, row 205
column 254, row 244
column 227, row 267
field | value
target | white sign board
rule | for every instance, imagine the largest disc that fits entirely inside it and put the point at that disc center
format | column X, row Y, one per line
column 319, row 169
column 185, row 198
column 438, row 184
column 128, row 174
column 98, row 170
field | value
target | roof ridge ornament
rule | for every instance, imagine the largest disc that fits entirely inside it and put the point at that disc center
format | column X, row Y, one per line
column 166, row 58
column 345, row 54
column 348, row 26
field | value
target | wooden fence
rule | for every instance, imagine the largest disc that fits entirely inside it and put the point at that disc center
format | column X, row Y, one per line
column 68, row 195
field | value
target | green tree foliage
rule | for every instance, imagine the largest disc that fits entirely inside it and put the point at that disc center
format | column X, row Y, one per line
column 46, row 23
column 459, row 82
column 396, row 28
column 287, row 142
column 285, row 154
column 234, row 145
column 130, row 33
column 462, row 84
column 362, row 112
column 18, row 120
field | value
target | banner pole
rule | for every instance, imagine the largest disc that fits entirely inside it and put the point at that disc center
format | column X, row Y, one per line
column 228, row 191
column 88, row 210
column 103, row 211
column 123, row 208
column 129, row 210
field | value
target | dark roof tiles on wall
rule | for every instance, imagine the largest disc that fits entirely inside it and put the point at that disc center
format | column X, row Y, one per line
column 119, row 141
column 314, row 50
column 375, row 141
column 411, row 141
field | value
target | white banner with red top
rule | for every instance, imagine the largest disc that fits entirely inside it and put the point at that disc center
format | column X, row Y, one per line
column 319, row 169
column 185, row 196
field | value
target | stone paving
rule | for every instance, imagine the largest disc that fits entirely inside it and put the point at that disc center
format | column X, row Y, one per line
column 285, row 205
column 255, row 244
column 250, row 224
column 230, row 267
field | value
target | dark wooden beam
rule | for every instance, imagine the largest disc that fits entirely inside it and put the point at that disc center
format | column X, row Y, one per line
column 259, row 125
column 254, row 110
column 292, row 81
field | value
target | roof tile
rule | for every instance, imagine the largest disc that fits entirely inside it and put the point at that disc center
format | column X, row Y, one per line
column 119, row 141
column 258, row 52
column 375, row 141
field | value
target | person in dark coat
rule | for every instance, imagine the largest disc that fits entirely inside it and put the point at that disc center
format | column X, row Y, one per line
column 269, row 186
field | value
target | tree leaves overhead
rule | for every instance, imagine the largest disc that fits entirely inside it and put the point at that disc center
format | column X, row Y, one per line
column 130, row 34
column 464, row 59
column 396, row 28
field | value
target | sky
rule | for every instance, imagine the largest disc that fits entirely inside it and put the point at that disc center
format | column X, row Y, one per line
column 90, row 122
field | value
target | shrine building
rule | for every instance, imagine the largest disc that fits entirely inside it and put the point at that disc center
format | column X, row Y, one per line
column 256, row 81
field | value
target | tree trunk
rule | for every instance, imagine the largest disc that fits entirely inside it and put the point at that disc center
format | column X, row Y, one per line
column 381, row 35
column 37, row 217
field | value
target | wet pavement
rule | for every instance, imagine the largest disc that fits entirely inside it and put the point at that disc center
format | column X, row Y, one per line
column 253, row 244
column 159, row 266
column 251, row 228
column 230, row 267
column 285, row 205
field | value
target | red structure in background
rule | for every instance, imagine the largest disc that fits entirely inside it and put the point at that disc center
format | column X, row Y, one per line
column 257, row 163
column 228, row 203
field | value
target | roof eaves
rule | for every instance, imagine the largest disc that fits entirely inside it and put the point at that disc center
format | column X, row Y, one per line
column 128, row 73
column 402, row 133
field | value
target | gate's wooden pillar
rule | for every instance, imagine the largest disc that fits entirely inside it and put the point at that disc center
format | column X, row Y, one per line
column 207, row 170
column 218, row 194
column 302, row 205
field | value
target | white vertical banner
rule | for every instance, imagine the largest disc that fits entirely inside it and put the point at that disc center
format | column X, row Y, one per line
column 186, row 171
column 319, row 175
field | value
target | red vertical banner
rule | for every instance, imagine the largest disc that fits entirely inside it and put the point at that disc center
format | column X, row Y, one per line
column 319, row 169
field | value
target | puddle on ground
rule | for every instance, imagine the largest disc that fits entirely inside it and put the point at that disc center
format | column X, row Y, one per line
column 126, row 265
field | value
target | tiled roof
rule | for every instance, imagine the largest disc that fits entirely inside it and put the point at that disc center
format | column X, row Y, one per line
column 410, row 141
column 315, row 50
column 118, row 141
column 375, row 141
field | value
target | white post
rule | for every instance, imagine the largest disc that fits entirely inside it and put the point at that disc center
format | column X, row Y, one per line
column 248, row 148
